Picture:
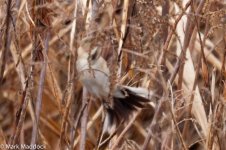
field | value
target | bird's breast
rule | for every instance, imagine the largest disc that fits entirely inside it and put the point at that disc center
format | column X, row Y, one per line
column 96, row 82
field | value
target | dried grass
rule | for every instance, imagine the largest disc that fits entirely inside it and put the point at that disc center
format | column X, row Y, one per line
column 175, row 48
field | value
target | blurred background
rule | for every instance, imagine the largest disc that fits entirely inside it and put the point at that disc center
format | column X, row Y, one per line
column 175, row 48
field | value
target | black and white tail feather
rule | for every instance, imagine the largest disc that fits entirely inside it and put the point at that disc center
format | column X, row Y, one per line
column 125, row 102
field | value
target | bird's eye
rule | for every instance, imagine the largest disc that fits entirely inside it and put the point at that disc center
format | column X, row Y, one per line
column 94, row 54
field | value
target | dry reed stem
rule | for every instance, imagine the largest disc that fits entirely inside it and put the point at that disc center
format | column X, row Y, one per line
column 22, row 112
column 2, row 138
column 7, row 40
column 186, row 126
column 119, row 139
column 169, row 37
column 40, row 92
column 152, row 125
column 123, row 33
column 28, row 48
column 90, row 123
column 148, row 49
column 188, row 75
column 84, row 119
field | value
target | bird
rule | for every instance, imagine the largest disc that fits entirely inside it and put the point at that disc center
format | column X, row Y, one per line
column 94, row 73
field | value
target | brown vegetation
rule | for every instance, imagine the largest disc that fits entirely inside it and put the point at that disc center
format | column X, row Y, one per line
column 175, row 48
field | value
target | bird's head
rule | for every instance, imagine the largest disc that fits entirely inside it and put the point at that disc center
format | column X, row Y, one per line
column 89, row 55
column 88, row 50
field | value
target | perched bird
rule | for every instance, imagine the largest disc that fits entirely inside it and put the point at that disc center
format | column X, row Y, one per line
column 94, row 76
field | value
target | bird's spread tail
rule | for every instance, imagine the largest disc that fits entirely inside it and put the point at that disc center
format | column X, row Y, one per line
column 125, row 102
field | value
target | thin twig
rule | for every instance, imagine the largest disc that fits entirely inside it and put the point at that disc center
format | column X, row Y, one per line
column 91, row 122
column 186, row 126
column 153, row 124
column 169, row 37
column 123, row 33
column 40, row 91
column 188, row 34
column 129, row 125
column 84, row 120
column 22, row 111
column 68, row 99
column 175, row 122
column 7, row 41
column 75, row 125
